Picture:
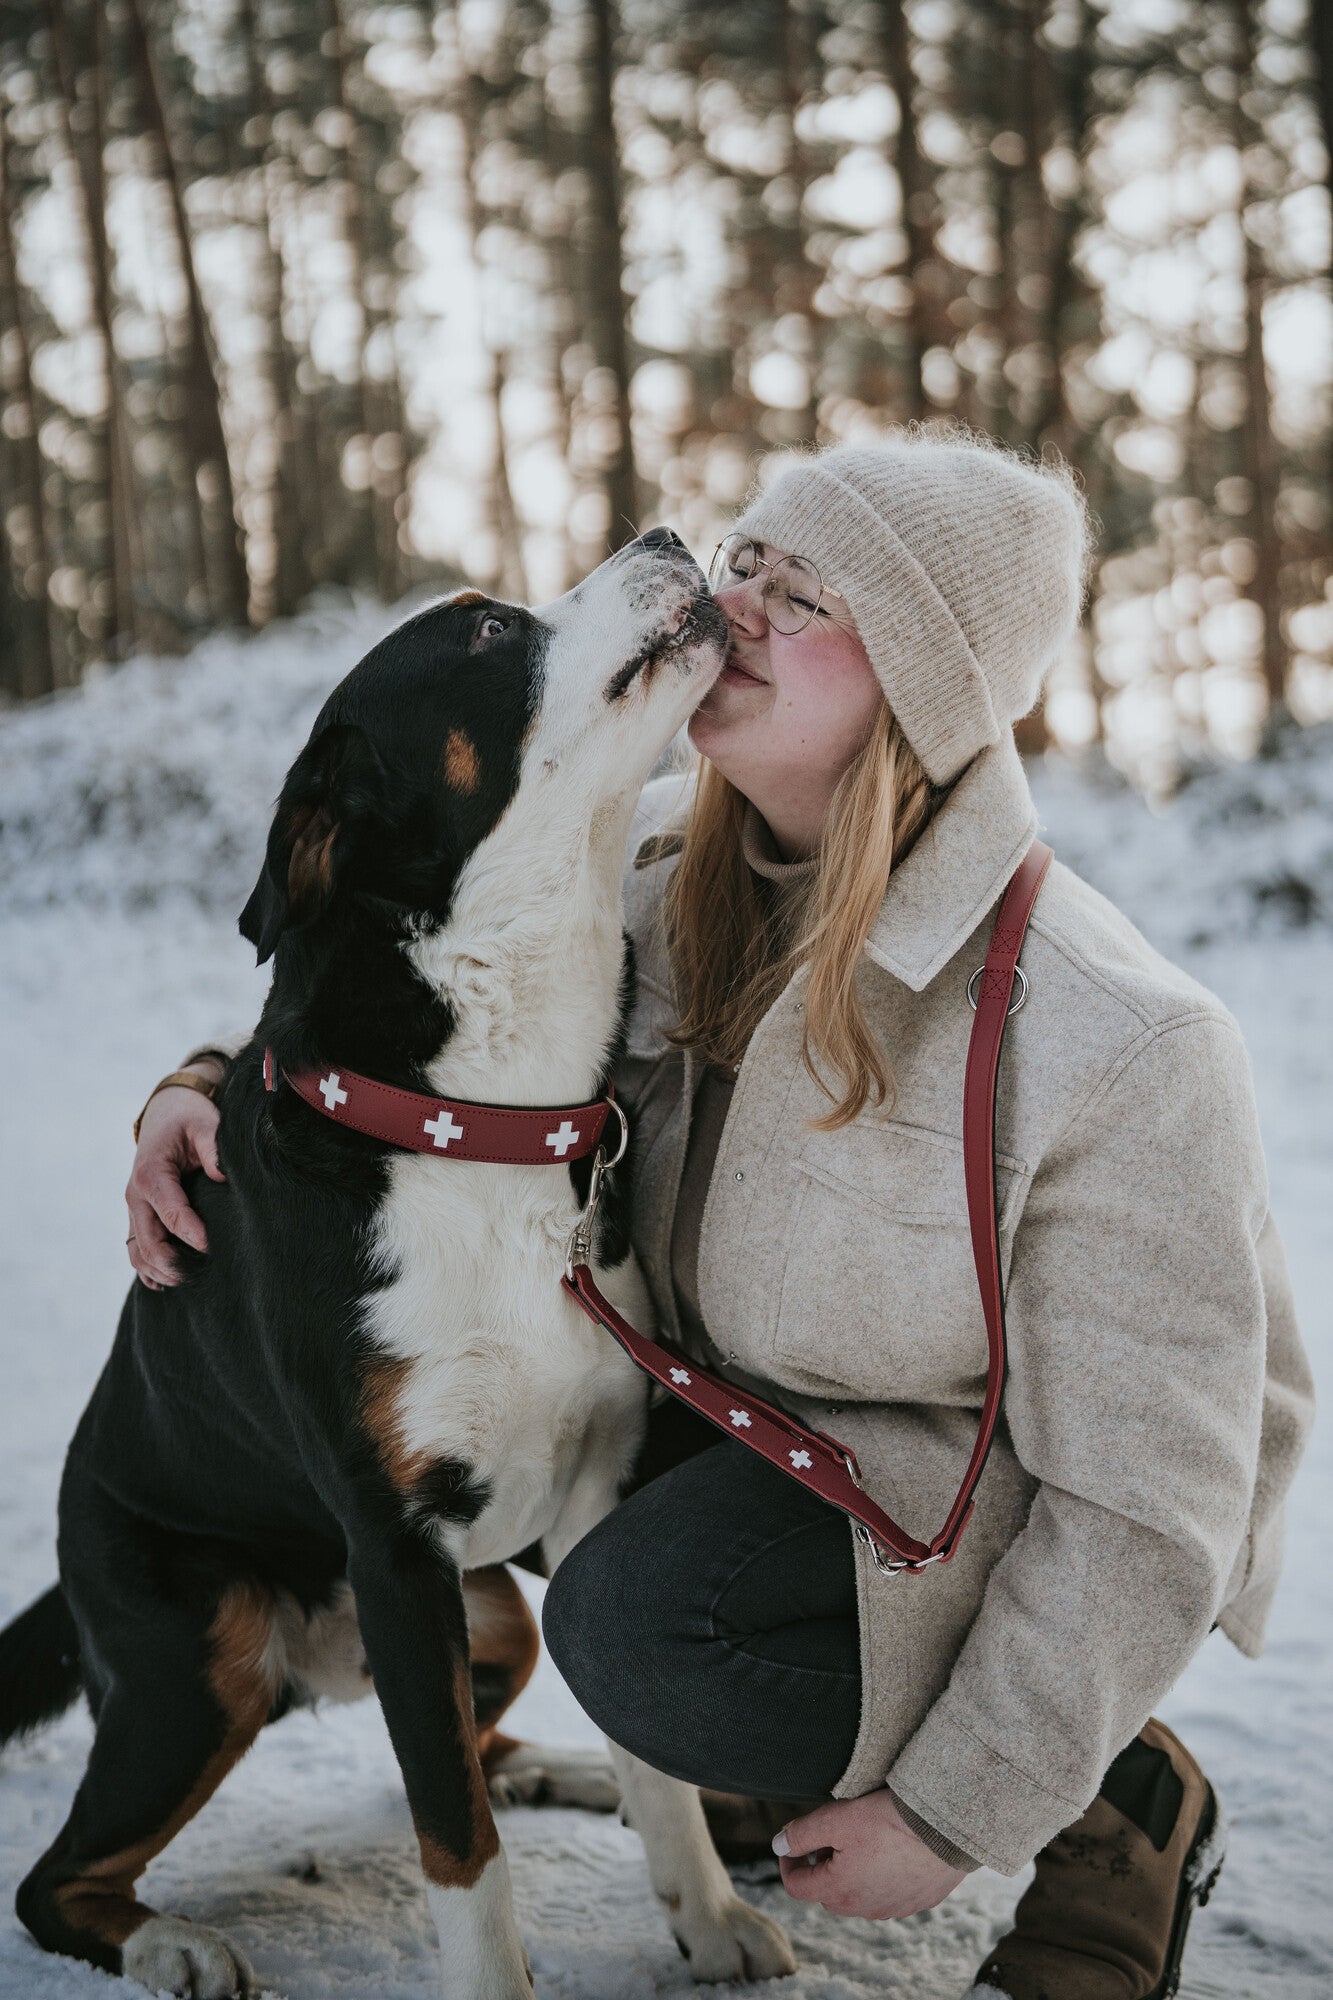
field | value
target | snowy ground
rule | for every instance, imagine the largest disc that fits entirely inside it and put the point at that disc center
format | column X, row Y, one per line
column 113, row 806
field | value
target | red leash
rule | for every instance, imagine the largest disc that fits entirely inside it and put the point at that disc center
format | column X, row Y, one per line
column 547, row 1136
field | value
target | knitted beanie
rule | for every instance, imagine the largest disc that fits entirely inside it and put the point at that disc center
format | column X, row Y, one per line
column 961, row 563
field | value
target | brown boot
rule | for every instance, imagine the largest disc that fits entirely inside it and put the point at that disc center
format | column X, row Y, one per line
column 1106, row 1914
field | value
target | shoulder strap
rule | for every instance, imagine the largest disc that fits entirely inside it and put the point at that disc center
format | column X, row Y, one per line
column 992, row 1003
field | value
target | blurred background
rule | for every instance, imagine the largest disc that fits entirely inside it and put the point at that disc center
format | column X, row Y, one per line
column 299, row 294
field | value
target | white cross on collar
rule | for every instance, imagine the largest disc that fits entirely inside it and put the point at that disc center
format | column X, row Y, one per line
column 329, row 1090
column 562, row 1140
column 443, row 1128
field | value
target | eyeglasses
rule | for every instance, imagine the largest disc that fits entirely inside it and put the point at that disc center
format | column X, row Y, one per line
column 791, row 590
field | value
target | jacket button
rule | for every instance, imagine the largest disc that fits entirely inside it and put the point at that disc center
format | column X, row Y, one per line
column 739, row 1175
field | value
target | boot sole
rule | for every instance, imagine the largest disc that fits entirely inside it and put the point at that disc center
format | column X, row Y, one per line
column 1198, row 1879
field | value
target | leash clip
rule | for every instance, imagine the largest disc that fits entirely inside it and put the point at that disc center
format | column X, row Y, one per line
column 579, row 1248
column 897, row 1565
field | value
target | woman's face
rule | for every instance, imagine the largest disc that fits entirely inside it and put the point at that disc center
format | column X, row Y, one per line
column 789, row 711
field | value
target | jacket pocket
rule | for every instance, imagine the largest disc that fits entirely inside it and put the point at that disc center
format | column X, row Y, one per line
column 879, row 1294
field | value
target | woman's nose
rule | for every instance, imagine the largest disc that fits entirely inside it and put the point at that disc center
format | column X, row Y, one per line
column 743, row 604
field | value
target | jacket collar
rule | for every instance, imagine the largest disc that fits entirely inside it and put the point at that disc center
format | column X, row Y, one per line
column 957, row 869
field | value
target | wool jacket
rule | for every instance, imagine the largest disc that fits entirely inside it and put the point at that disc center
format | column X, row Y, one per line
column 1159, row 1396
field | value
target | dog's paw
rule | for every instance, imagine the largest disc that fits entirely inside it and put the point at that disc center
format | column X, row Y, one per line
column 528, row 1775
column 170, row 1955
column 733, row 1942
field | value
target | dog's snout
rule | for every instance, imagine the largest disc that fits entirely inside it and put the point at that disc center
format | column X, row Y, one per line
column 663, row 541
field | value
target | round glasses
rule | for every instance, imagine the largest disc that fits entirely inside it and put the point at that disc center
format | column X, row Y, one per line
column 791, row 588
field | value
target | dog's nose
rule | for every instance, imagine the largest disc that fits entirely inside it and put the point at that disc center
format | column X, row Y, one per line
column 664, row 541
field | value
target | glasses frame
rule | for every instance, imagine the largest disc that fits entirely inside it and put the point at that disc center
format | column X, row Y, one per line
column 766, row 589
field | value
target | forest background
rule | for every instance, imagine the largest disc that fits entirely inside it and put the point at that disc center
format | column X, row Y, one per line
column 303, row 293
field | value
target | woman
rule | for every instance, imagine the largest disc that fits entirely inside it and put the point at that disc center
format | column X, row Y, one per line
column 806, row 917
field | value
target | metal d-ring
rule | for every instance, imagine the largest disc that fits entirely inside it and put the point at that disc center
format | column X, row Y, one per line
column 579, row 1248
column 624, row 1136
column 1014, row 1005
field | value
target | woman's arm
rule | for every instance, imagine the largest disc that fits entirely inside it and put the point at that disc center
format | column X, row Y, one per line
column 177, row 1133
column 1136, row 1319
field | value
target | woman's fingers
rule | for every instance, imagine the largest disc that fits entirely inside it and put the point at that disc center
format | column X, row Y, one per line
column 807, row 1854
column 178, row 1131
column 206, row 1146
column 808, row 1877
column 149, row 1250
column 166, row 1196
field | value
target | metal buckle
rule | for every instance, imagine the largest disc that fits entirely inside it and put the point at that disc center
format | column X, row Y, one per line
column 896, row 1565
column 1014, row 1005
column 579, row 1248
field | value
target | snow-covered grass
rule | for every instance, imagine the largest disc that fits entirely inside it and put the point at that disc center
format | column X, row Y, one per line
column 132, row 818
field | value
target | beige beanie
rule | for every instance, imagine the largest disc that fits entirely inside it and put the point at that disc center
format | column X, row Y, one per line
column 962, row 564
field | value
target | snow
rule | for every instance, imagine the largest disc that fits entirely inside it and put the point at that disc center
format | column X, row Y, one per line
column 131, row 829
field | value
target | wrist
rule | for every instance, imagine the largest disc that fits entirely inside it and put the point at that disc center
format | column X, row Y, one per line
column 204, row 1080
column 212, row 1067
column 930, row 1836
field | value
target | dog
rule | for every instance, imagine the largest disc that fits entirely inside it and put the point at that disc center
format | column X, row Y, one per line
column 302, row 1470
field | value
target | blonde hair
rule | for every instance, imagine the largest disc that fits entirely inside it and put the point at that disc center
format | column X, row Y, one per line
column 733, row 955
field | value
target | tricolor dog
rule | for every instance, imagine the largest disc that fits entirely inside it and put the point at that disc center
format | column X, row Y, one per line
column 302, row 1468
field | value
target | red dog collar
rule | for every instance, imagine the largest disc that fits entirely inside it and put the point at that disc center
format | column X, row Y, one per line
column 450, row 1127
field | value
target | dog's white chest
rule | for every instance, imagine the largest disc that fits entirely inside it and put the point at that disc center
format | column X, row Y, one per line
column 489, row 1362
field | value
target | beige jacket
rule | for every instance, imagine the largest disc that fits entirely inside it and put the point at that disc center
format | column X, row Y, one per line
column 1159, row 1396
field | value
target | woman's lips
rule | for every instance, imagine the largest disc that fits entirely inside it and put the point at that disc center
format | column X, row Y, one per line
column 735, row 674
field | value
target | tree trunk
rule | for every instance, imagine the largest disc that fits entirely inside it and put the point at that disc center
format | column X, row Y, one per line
column 605, row 268
column 380, row 518
column 35, row 661
column 508, row 576
column 1321, row 32
column 1259, row 444
column 288, row 499
column 918, row 204
column 797, row 278
column 1069, row 78
column 222, row 533
column 84, row 138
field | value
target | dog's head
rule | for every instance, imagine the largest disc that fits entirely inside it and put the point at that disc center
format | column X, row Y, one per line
column 425, row 746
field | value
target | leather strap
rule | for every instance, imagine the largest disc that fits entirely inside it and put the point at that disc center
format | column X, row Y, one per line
column 450, row 1127
column 821, row 1462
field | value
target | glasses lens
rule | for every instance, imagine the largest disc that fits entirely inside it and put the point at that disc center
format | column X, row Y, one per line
column 734, row 561
column 793, row 594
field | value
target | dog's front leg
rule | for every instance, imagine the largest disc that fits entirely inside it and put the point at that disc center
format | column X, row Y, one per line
column 720, row 1935
column 409, row 1602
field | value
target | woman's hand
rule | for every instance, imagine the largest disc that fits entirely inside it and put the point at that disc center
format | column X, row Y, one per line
column 179, row 1132
column 859, row 1858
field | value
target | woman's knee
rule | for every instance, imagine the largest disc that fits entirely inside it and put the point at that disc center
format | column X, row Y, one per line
column 596, row 1620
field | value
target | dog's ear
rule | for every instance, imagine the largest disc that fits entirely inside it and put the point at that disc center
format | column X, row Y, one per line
column 332, row 789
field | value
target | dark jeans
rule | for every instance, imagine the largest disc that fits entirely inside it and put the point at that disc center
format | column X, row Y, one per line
column 709, row 1624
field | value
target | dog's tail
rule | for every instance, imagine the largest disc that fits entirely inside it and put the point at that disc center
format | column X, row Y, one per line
column 39, row 1666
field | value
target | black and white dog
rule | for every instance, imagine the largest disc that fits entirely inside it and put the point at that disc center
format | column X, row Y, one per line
column 374, row 1381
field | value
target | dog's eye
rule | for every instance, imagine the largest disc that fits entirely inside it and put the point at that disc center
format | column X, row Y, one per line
column 492, row 625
